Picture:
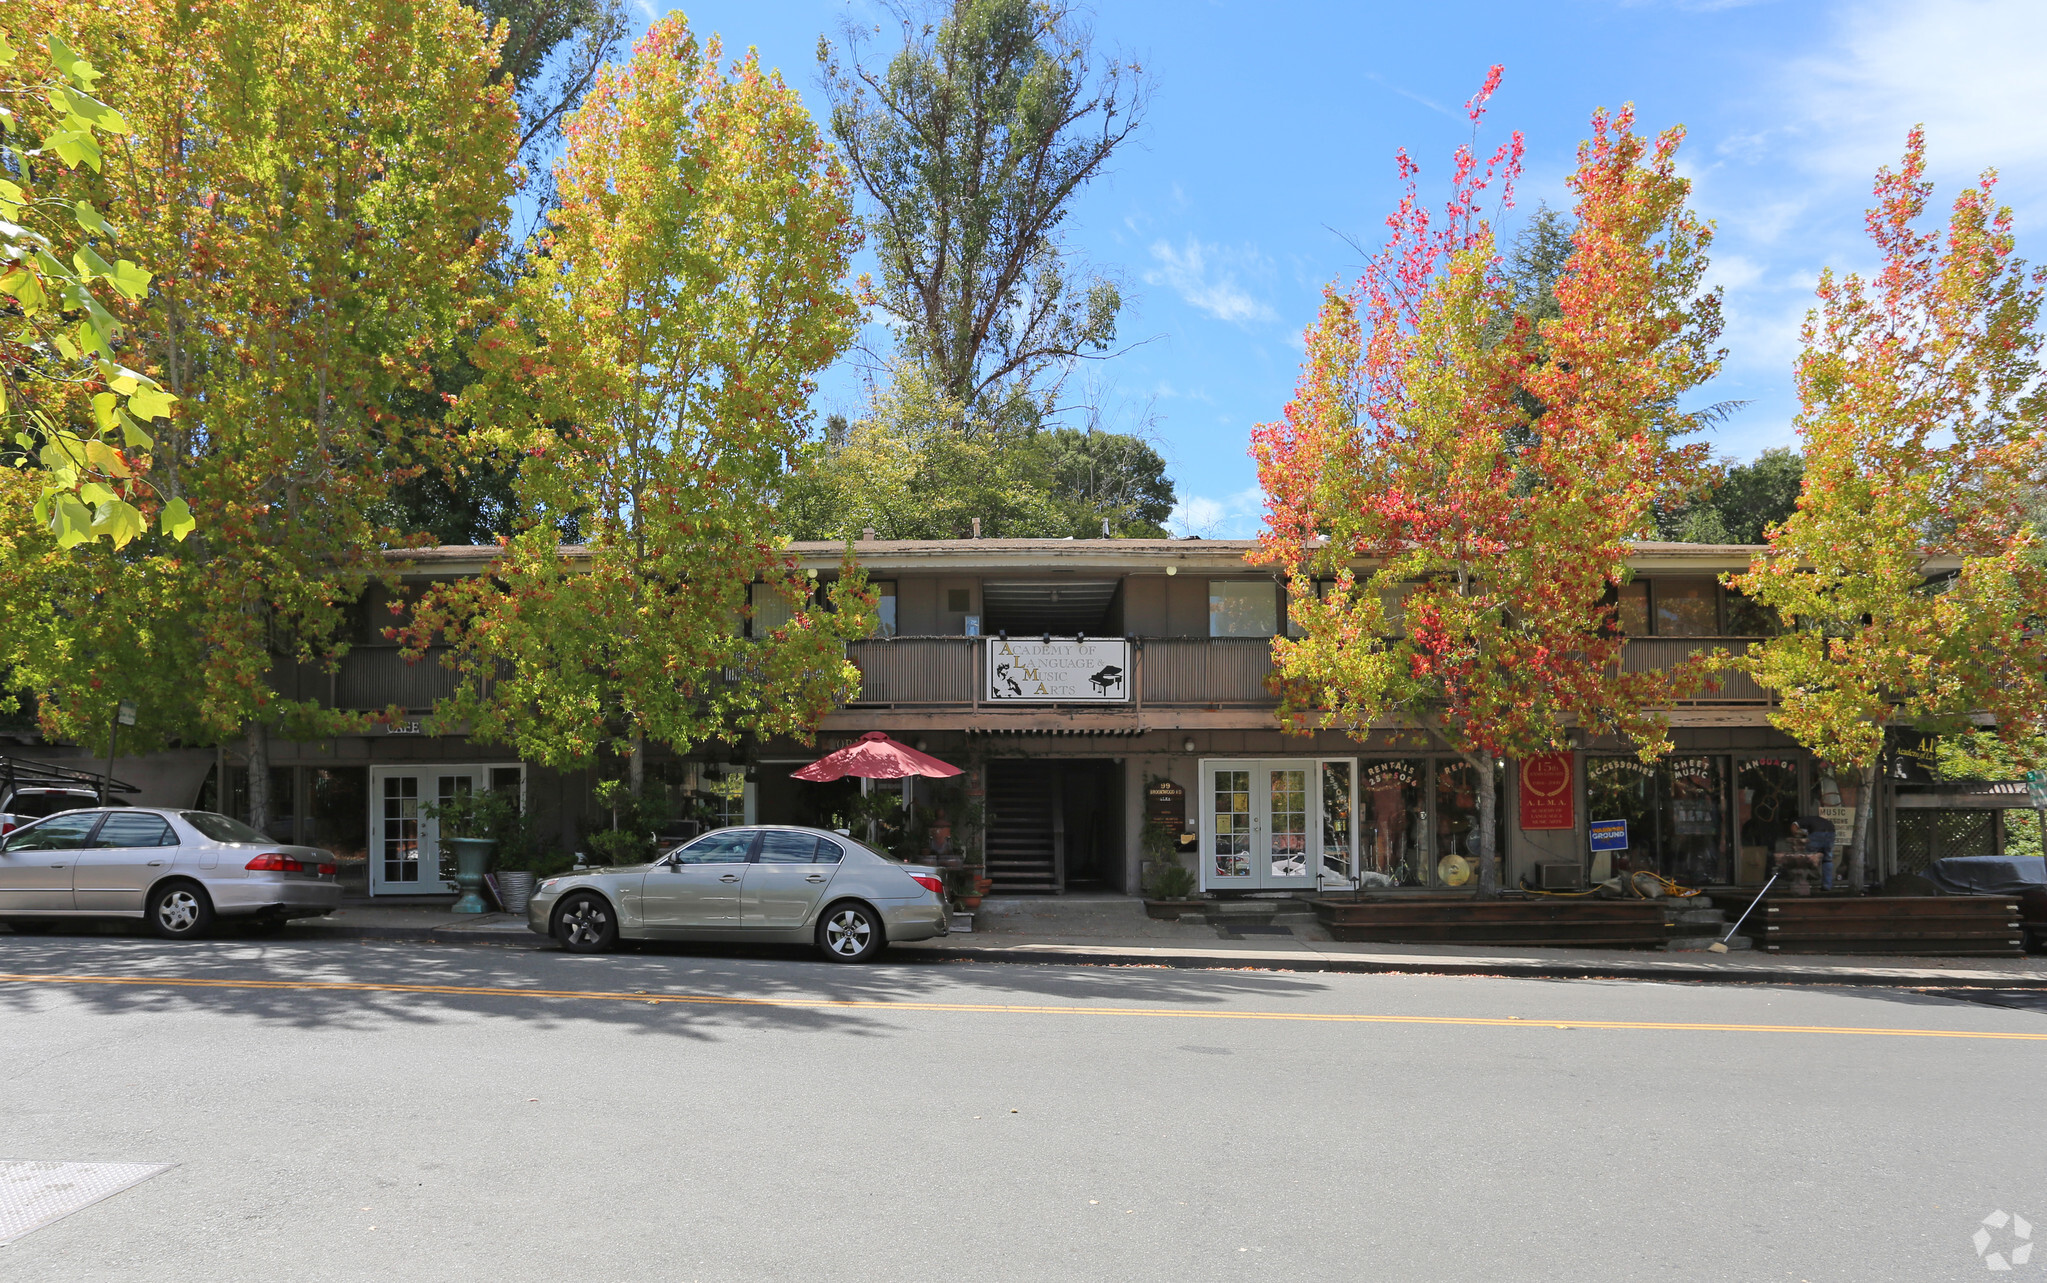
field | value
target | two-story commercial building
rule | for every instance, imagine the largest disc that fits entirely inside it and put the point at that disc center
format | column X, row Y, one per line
column 1090, row 685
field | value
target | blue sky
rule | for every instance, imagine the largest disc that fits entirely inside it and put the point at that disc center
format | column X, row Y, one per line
column 1272, row 129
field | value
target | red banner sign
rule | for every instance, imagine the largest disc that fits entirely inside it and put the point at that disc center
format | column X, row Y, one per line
column 1548, row 800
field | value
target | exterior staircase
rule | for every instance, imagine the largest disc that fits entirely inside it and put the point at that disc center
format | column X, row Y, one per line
column 1023, row 828
column 1695, row 925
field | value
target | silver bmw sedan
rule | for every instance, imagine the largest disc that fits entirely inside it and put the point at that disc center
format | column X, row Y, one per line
column 176, row 870
column 764, row 884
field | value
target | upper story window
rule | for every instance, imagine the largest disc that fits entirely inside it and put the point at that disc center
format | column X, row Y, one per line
column 1242, row 608
column 884, row 607
column 1687, row 608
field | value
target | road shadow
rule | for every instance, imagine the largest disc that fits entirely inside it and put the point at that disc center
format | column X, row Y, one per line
column 731, row 987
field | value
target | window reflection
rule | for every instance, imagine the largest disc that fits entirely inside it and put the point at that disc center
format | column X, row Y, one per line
column 1766, row 802
column 1390, row 794
column 1686, row 609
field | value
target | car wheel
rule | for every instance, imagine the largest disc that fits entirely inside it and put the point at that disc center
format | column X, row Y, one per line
column 586, row 924
column 179, row 911
column 850, row 932
column 31, row 926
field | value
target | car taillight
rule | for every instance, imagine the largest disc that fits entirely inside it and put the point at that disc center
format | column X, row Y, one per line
column 329, row 870
column 275, row 863
column 929, row 883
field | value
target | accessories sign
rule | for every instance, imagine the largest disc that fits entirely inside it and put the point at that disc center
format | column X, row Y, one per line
column 1067, row 671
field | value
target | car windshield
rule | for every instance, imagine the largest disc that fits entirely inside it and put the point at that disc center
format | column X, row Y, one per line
column 37, row 805
column 220, row 828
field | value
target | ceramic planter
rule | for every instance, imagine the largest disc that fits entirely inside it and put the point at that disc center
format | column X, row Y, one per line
column 472, row 858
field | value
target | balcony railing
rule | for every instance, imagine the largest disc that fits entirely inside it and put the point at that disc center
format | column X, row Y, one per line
column 1655, row 654
column 946, row 672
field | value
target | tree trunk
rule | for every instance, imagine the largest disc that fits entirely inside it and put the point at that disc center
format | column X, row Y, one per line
column 1865, row 810
column 1488, row 826
column 636, row 763
column 259, row 777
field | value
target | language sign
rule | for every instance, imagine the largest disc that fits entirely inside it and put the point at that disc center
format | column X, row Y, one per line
column 1022, row 671
column 1609, row 835
column 1546, row 792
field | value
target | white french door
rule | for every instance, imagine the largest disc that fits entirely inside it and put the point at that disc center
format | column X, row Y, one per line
column 405, row 846
column 1277, row 823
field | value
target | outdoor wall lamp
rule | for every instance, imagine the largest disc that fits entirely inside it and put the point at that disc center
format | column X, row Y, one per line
column 1187, row 745
column 1172, row 570
column 1046, row 639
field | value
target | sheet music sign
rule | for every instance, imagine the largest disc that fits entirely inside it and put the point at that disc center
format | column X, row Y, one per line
column 1060, row 671
column 1165, row 804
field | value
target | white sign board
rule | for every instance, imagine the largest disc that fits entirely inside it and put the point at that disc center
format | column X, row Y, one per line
column 1027, row 671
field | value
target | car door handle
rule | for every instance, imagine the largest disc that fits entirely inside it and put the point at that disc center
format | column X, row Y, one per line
column 730, row 877
column 814, row 878
column 156, row 864
column 56, row 866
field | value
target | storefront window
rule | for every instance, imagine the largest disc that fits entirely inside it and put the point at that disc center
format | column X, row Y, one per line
column 1456, row 862
column 1336, row 822
column 1623, row 788
column 1697, row 851
column 1242, row 608
column 1233, row 824
column 1391, row 794
column 1676, row 812
column 1686, row 609
column 1766, row 802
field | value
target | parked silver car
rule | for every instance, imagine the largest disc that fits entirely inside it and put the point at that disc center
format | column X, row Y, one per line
column 766, row 884
column 176, row 870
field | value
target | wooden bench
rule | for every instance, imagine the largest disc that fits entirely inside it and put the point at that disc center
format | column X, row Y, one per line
column 1628, row 924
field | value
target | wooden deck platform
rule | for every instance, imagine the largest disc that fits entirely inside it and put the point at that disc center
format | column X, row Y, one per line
column 1575, row 923
column 1960, row 926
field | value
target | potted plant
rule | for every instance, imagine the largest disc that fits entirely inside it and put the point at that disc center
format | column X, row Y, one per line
column 465, row 825
column 1169, row 886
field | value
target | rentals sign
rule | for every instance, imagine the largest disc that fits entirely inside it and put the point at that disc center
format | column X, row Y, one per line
column 1060, row 671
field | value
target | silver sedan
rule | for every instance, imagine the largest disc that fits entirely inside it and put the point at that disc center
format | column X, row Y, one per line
column 176, row 870
column 766, row 884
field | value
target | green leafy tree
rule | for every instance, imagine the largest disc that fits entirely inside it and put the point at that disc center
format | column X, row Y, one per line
column 972, row 143
column 320, row 187
column 76, row 412
column 1911, row 565
column 653, row 381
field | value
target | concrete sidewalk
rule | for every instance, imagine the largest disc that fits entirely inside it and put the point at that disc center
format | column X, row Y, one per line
column 1113, row 931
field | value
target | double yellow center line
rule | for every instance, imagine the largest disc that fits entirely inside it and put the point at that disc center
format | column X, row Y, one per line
column 990, row 1008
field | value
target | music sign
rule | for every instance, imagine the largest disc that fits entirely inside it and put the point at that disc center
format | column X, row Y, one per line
column 1060, row 671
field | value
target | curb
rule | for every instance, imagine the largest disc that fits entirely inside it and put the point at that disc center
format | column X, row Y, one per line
column 1080, row 956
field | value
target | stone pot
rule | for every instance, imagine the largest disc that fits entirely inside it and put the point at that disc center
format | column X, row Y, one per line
column 515, row 888
column 472, row 859
column 970, row 902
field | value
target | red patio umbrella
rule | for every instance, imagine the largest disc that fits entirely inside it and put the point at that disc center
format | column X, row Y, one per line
column 874, row 756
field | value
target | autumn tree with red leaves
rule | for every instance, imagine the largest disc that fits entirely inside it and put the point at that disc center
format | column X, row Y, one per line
column 1453, row 490
column 1912, row 568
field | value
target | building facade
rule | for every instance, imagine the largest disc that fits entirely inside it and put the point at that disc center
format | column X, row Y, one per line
column 1091, row 687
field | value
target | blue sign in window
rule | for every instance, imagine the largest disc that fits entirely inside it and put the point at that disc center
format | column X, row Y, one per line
column 1609, row 835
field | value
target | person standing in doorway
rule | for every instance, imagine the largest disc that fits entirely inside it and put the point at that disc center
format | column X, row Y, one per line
column 1818, row 832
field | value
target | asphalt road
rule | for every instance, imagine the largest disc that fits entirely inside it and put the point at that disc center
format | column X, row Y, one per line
column 366, row 1111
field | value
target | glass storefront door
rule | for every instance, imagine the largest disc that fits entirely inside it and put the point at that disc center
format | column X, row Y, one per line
column 404, row 845
column 1277, row 824
column 1676, row 811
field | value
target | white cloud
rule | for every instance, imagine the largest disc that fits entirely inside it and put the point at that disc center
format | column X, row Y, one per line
column 1235, row 516
column 1968, row 69
column 1205, row 276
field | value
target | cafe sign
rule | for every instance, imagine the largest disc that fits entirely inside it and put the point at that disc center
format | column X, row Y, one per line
column 1059, row 671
